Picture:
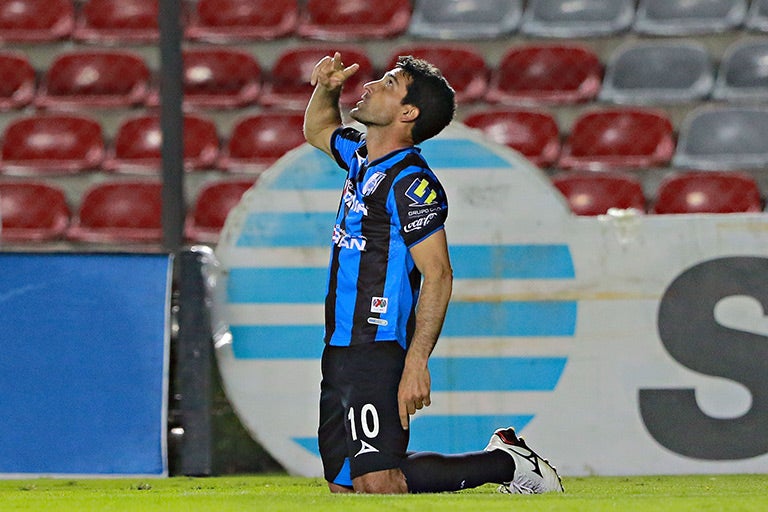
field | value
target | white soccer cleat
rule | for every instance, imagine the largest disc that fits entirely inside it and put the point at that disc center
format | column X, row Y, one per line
column 533, row 475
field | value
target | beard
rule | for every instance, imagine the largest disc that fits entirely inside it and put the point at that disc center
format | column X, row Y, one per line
column 366, row 118
column 359, row 116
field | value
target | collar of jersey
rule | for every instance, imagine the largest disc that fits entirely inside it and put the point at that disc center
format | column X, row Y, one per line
column 363, row 149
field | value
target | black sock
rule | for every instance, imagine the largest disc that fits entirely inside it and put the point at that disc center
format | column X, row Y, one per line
column 434, row 472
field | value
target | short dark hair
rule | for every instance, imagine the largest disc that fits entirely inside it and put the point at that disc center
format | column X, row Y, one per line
column 431, row 93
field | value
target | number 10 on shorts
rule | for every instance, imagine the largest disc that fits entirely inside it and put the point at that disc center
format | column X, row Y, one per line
column 369, row 421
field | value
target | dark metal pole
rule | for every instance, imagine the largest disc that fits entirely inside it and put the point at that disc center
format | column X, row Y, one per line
column 171, row 122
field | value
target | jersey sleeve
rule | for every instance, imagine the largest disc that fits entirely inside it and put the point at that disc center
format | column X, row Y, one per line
column 344, row 142
column 422, row 206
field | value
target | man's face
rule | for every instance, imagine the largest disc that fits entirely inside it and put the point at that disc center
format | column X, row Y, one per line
column 381, row 102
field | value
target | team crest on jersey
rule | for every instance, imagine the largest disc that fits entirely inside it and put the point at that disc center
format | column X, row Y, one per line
column 379, row 305
column 373, row 182
column 421, row 193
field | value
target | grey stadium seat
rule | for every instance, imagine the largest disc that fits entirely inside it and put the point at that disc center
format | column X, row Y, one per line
column 725, row 137
column 585, row 18
column 743, row 73
column 757, row 17
column 465, row 19
column 672, row 71
column 684, row 17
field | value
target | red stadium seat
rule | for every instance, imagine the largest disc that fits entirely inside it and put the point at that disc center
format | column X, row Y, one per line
column 81, row 79
column 288, row 86
column 52, row 144
column 35, row 21
column 546, row 74
column 594, row 193
column 534, row 134
column 17, row 81
column 119, row 212
column 708, row 192
column 219, row 78
column 227, row 21
column 342, row 20
column 32, row 212
column 138, row 144
column 117, row 21
column 258, row 140
column 619, row 138
column 214, row 201
column 463, row 67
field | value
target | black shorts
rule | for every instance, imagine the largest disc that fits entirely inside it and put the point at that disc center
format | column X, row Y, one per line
column 360, row 429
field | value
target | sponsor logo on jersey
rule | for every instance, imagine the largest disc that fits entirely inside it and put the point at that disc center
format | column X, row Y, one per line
column 421, row 193
column 377, row 321
column 379, row 305
column 346, row 241
column 351, row 201
column 424, row 211
column 373, row 182
column 419, row 223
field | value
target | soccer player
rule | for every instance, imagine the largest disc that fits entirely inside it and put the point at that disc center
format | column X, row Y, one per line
column 389, row 283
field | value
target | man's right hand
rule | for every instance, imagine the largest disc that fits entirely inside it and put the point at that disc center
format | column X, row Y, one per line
column 330, row 72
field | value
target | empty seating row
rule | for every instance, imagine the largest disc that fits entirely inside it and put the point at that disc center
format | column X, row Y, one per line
column 137, row 21
column 710, row 138
column 655, row 72
column 131, row 211
column 110, row 212
column 470, row 19
column 607, row 138
column 64, row 144
column 127, row 21
column 213, row 78
column 591, row 193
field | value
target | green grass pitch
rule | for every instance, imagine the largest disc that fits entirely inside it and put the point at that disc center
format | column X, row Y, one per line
column 284, row 493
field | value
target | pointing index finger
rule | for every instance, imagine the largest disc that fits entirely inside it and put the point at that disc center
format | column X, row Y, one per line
column 404, row 419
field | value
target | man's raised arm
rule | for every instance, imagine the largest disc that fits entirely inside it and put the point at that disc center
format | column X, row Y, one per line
column 323, row 115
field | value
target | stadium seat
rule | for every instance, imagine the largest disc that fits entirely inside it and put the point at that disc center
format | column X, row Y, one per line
column 534, row 134
column 232, row 21
column 52, row 144
column 117, row 21
column 688, row 17
column 36, row 21
column 743, row 72
column 258, row 140
column 569, row 19
column 658, row 72
column 594, row 193
column 119, row 212
column 288, row 84
column 219, row 78
column 342, row 20
column 463, row 66
column 708, row 192
column 546, row 74
column 757, row 16
column 211, row 207
column 453, row 20
column 618, row 138
column 137, row 147
column 723, row 138
column 17, row 81
column 32, row 211
column 82, row 79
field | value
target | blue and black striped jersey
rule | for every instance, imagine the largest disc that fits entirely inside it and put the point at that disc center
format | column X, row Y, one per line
column 387, row 206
